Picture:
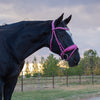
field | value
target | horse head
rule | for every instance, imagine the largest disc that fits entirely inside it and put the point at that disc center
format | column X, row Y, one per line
column 61, row 41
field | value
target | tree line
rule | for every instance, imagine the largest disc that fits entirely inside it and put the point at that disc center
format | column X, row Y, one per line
column 89, row 64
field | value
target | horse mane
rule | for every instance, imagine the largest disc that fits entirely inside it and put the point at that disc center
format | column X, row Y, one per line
column 18, row 25
column 8, row 27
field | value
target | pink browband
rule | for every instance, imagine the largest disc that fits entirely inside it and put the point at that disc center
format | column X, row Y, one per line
column 63, row 51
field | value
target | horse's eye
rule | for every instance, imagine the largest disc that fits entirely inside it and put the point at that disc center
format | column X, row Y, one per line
column 69, row 32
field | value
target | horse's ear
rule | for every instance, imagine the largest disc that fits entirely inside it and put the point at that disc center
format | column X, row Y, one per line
column 67, row 20
column 58, row 21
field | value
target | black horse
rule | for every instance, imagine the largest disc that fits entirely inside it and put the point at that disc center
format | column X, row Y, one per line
column 19, row 40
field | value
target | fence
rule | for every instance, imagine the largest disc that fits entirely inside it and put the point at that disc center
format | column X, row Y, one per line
column 42, row 82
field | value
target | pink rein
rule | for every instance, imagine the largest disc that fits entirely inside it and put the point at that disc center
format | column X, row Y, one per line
column 63, row 51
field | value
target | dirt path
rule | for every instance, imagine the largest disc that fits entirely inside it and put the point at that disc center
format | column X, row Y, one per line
column 94, row 98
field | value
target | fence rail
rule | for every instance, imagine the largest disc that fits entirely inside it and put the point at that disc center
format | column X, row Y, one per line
column 40, row 82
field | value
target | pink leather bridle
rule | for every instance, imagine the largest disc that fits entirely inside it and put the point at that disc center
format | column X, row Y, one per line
column 63, row 51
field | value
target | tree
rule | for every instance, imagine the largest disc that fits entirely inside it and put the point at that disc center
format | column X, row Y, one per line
column 50, row 65
column 34, row 60
column 27, row 70
column 97, row 66
column 63, row 66
column 35, row 66
column 77, row 70
column 42, row 60
column 90, row 60
column 90, row 53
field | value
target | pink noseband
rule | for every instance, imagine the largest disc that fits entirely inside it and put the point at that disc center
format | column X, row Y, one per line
column 63, row 51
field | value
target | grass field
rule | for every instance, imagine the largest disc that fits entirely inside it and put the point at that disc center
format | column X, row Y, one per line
column 63, row 93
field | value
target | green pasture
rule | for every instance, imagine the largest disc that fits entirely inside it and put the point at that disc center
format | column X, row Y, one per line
column 63, row 93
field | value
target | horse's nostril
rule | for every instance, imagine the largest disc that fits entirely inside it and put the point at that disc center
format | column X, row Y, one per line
column 75, row 61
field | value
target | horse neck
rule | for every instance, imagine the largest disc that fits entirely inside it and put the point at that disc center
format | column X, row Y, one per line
column 29, row 40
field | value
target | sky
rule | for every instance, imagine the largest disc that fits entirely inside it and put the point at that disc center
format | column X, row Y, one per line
column 84, row 26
